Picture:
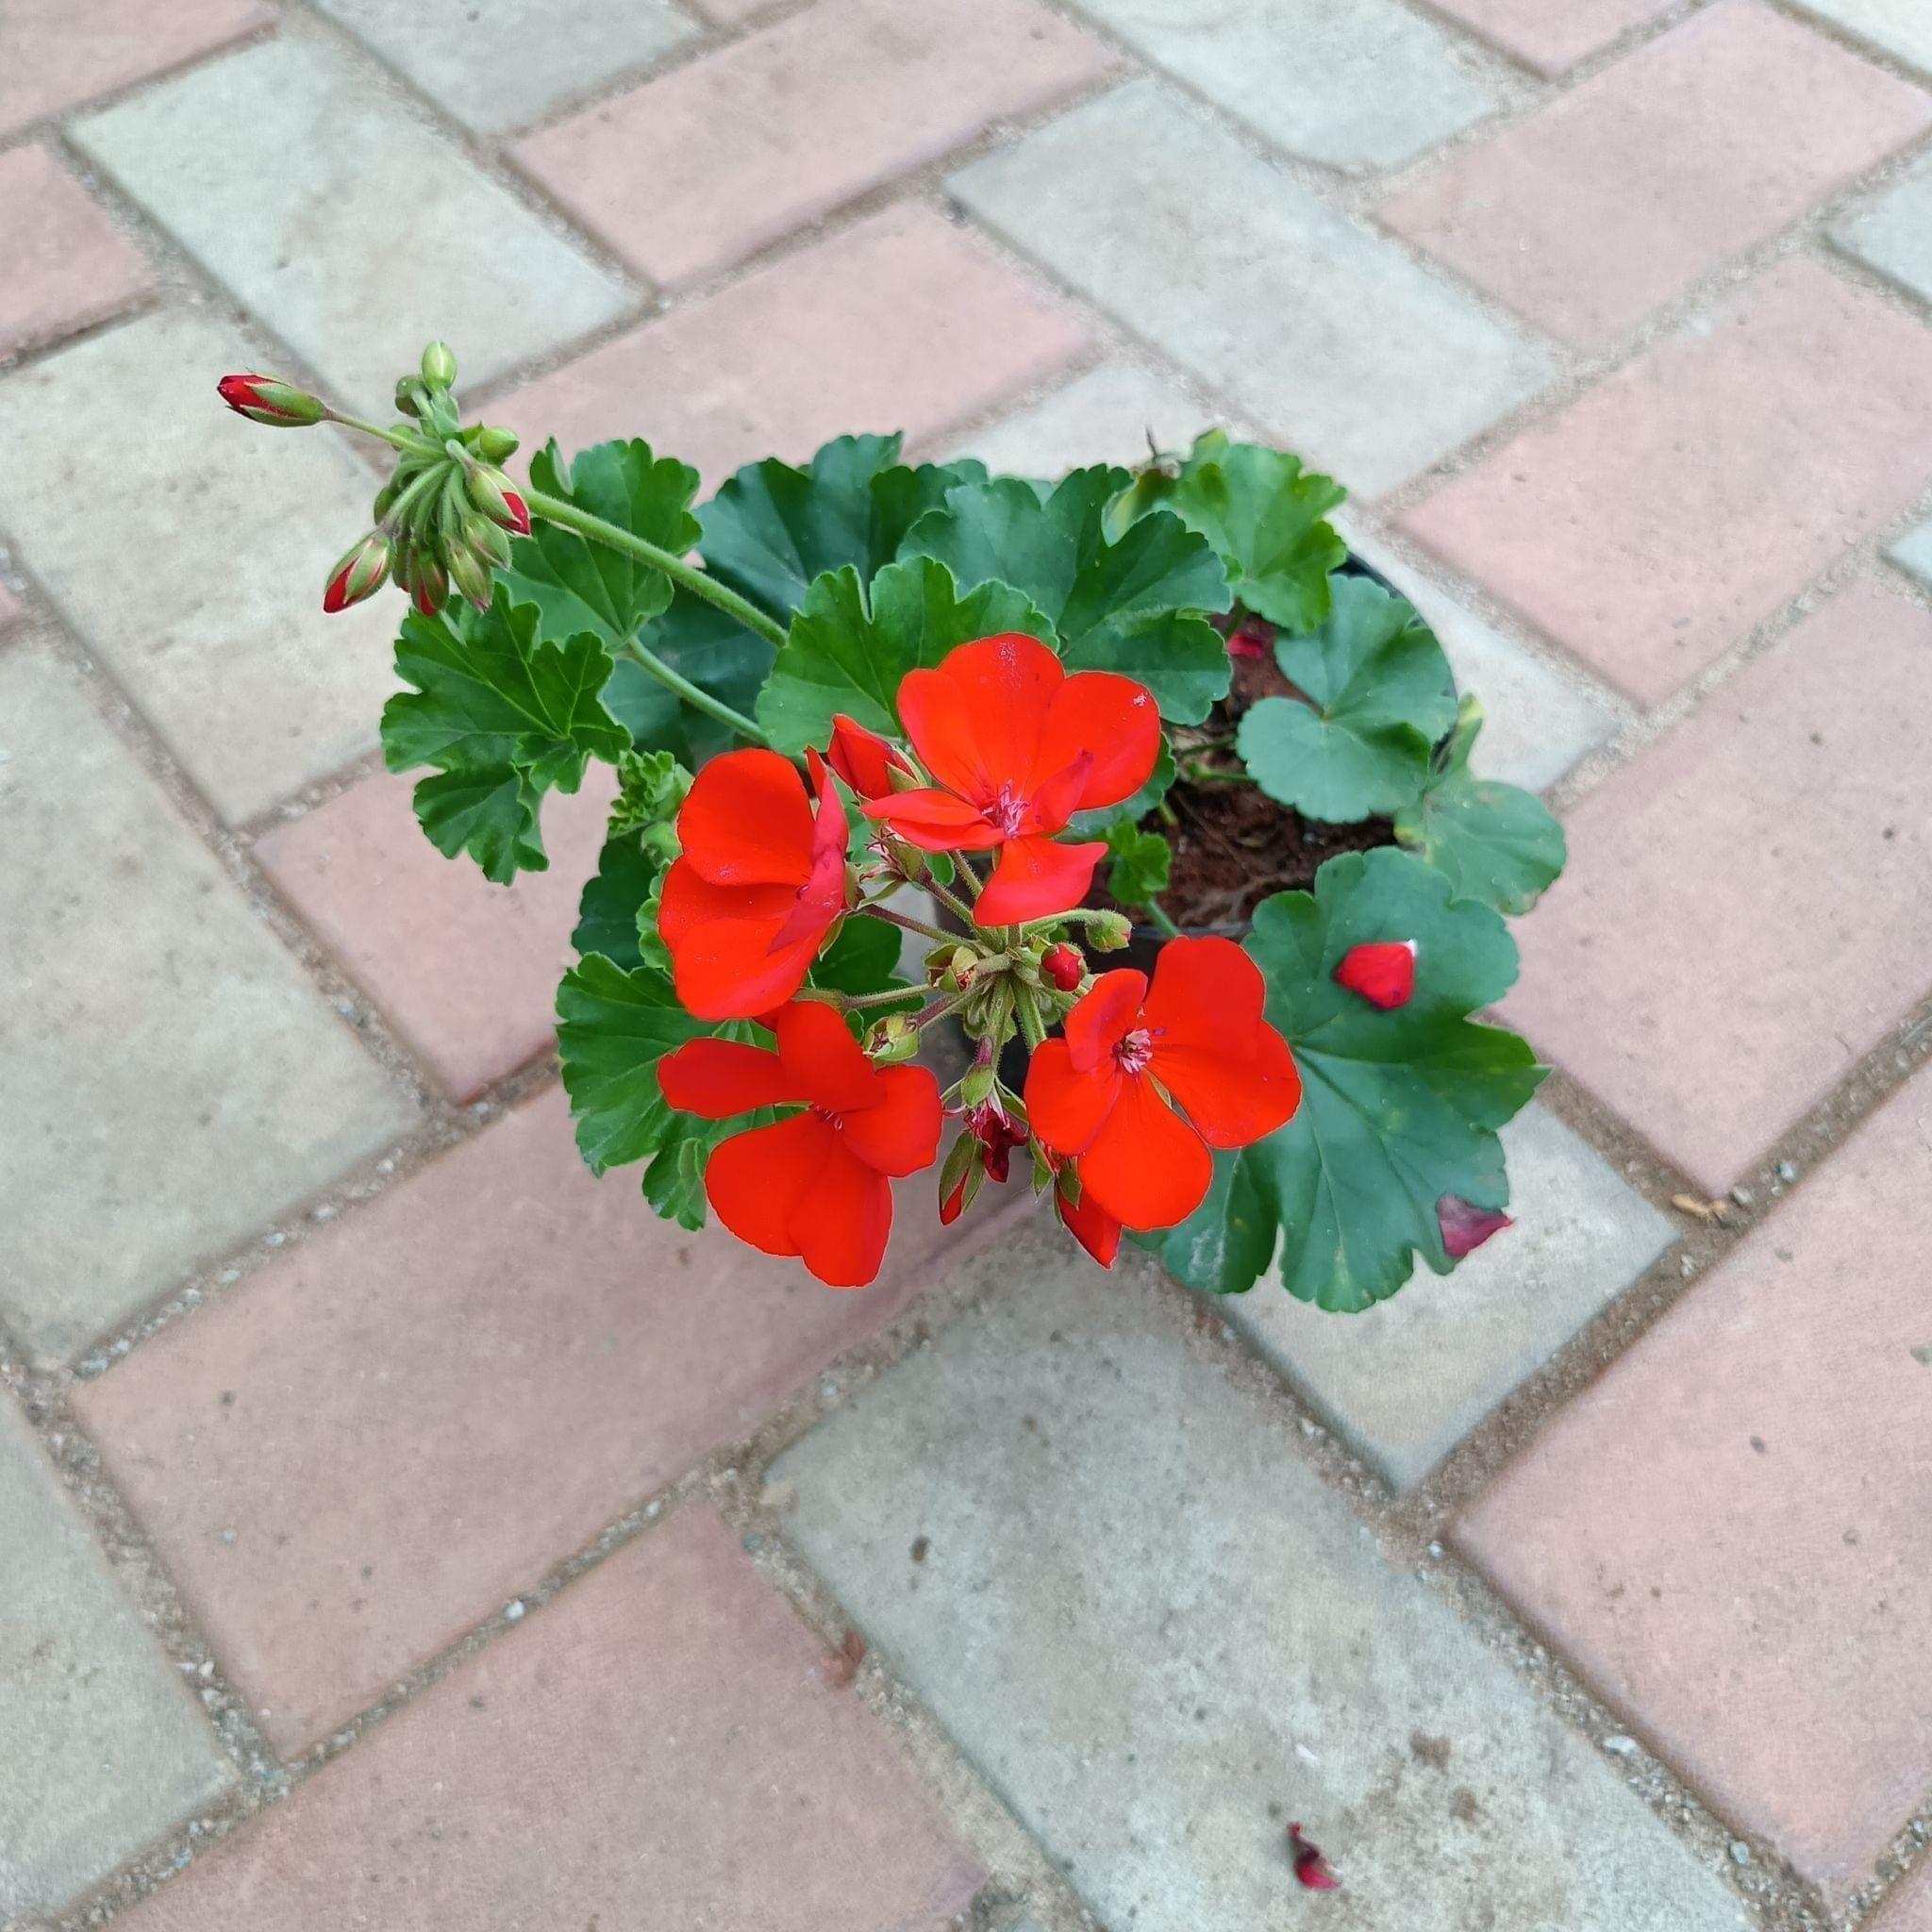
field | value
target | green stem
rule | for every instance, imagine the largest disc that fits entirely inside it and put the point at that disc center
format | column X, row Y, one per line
column 699, row 583
column 698, row 699
column 1157, row 918
column 1032, row 1028
column 396, row 439
column 1201, row 774
column 952, row 901
column 946, row 1007
column 858, row 1002
column 872, row 909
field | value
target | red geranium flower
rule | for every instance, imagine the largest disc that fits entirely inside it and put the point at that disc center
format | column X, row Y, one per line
column 865, row 760
column 747, row 904
column 1018, row 747
column 1201, row 1036
column 814, row 1184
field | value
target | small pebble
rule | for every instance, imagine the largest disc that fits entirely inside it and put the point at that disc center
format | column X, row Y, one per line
column 1686, row 1266
column 513, row 1611
column 1740, row 1851
column 1786, row 1173
column 1623, row 1746
column 1309, row 1428
column 230, row 1276
column 1436, row 1550
column 324, row 1213
column 385, row 1167
column 228, row 1536
column 1743, row 1196
column 275, row 1240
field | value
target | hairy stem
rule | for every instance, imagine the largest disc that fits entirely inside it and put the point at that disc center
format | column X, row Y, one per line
column 952, row 901
column 693, row 696
column 1032, row 1028
column 872, row 909
column 699, row 583
column 1157, row 918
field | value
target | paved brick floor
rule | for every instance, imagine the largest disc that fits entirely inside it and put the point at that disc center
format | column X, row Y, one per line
column 399, row 1529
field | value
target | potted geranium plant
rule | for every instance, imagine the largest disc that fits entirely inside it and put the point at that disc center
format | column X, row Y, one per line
column 1158, row 713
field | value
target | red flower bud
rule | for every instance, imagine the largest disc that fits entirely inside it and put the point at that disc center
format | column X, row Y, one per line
column 493, row 493
column 863, row 758
column 264, row 399
column 1063, row 965
column 359, row 574
column 1465, row 1226
column 1253, row 636
column 429, row 588
column 1383, row 972
column 997, row 1134
column 1310, row 1867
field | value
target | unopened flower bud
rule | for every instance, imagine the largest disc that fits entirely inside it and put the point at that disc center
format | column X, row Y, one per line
column 892, row 1040
column 470, row 573
column 439, row 365
column 492, row 444
column 492, row 493
column 976, row 1087
column 486, row 538
column 957, row 1179
column 1107, row 932
column 264, row 399
column 410, row 395
column 359, row 574
column 955, row 974
column 385, row 497
column 1063, row 966
column 429, row 586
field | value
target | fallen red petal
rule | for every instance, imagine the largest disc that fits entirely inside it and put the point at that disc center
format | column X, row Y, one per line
column 1465, row 1226
column 1310, row 1867
column 1382, row 971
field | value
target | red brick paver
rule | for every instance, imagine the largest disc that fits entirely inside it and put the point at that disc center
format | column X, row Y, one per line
column 11, row 611
column 359, row 1455
column 1649, row 525
column 696, row 169
column 1746, row 908
column 1621, row 194
column 66, row 264
column 1731, row 1532
column 1553, row 37
column 658, row 1748
column 1911, row 1909
column 58, row 53
column 466, row 969
column 900, row 323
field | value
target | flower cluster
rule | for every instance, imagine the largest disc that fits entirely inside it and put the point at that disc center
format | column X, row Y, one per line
column 1120, row 1109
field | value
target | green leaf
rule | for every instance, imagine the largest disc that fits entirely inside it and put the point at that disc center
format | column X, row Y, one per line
column 581, row 586
column 848, row 650
column 1398, row 1108
column 608, row 909
column 1132, row 605
column 1263, row 514
column 1380, row 693
column 772, row 530
column 504, row 719
column 1490, row 840
column 1139, row 865
column 863, row 958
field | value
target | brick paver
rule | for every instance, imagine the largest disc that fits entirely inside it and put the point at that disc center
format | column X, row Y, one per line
column 899, row 322
column 11, row 610
column 60, row 53
column 746, row 144
column 656, row 1747
column 468, row 970
column 1731, row 1532
column 353, row 233
column 210, row 614
column 535, row 1348
column 1621, row 194
column 171, row 1079
column 1744, row 914
column 1889, row 232
column 501, row 66
column 1902, row 28
column 1551, row 39
column 1911, row 1909
column 1913, row 551
column 1650, row 524
column 104, row 1749
column 1364, row 86
column 1107, row 415
column 1404, row 1382
column 67, row 265
column 1114, row 194
column 1161, row 1637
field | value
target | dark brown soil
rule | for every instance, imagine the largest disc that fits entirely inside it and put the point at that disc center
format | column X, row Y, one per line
column 1234, row 845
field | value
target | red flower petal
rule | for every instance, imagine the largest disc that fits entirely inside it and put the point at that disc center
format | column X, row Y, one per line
column 864, row 759
column 1310, row 1867
column 843, row 1224
column 1465, row 1226
column 976, row 721
column 1146, row 1166
column 821, row 897
column 1064, row 966
column 1114, row 719
column 1382, row 971
column 717, row 1078
column 756, row 1179
column 1057, row 797
column 1067, row 1108
column 824, row 1061
column 1035, row 878
column 1090, row 1224
column 1213, row 1050
column 1104, row 1017
column 747, row 820
column 720, row 941
column 900, row 1133
column 934, row 821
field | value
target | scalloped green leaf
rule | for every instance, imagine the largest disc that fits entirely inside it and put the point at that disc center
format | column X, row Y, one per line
column 1379, row 695
column 1264, row 515
column 1492, row 842
column 504, row 718
column 864, row 959
column 1399, row 1108
column 581, row 586
column 849, row 647
column 1132, row 605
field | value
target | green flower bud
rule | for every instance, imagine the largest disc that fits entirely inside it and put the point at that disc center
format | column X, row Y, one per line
column 440, row 366
column 470, row 573
column 410, row 397
column 385, row 497
column 492, row 444
column 483, row 537
column 1109, row 932
column 497, row 497
column 892, row 1040
column 978, row 1084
